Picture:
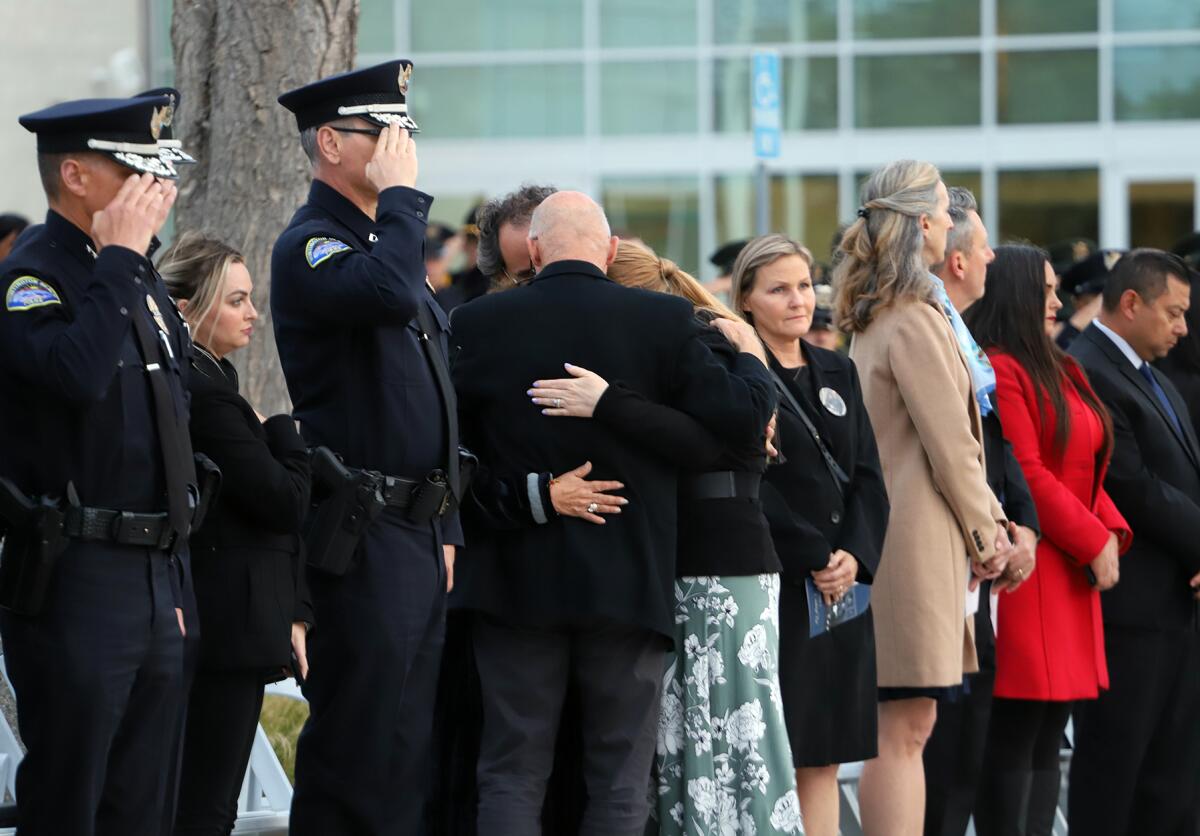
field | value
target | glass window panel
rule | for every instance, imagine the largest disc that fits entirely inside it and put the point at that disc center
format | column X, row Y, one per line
column 504, row 100
column 647, row 22
column 774, row 21
column 1029, row 17
column 916, row 18
column 897, row 91
column 803, row 206
column 377, row 26
column 1157, row 82
column 1058, row 86
column 1134, row 15
column 648, row 97
column 809, row 94
column 1048, row 206
column 463, row 25
column 663, row 212
column 1161, row 214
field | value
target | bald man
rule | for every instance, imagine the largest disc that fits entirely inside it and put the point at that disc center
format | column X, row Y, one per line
column 566, row 599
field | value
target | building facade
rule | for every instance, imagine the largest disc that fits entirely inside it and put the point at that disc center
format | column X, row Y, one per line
column 1071, row 117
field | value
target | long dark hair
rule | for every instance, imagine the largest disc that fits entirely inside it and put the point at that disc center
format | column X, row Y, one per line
column 1011, row 318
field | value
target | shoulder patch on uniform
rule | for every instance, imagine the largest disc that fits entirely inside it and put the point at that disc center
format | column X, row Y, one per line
column 28, row 292
column 319, row 250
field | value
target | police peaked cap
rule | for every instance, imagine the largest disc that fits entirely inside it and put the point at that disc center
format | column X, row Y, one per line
column 1189, row 250
column 727, row 254
column 377, row 94
column 169, row 148
column 1091, row 274
column 127, row 130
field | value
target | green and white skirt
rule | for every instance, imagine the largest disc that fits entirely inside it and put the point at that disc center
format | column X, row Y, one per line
column 723, row 766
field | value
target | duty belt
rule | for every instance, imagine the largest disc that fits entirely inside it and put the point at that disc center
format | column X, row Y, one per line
column 425, row 498
column 721, row 484
column 123, row 527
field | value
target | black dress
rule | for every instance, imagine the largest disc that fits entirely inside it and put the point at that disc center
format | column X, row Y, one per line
column 828, row 683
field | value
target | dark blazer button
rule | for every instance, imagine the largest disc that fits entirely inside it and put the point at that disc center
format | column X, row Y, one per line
column 420, row 214
column 835, row 518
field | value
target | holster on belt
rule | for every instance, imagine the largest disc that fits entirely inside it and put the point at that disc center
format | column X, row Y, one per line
column 346, row 502
column 33, row 538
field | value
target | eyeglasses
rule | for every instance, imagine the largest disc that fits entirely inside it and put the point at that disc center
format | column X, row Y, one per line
column 367, row 131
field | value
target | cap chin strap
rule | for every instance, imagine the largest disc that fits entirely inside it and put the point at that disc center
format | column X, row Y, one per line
column 358, row 110
column 150, row 149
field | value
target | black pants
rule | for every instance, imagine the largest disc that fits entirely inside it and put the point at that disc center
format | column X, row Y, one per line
column 364, row 759
column 99, row 680
column 1136, row 768
column 954, row 758
column 953, row 755
column 523, row 675
column 222, row 719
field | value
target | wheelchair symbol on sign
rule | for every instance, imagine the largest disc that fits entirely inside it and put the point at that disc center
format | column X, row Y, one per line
column 766, row 96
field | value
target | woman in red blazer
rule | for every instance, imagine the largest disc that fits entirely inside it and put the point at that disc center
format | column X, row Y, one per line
column 1049, row 639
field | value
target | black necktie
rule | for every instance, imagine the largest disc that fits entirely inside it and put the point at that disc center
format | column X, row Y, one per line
column 1160, row 393
column 173, row 438
column 432, row 338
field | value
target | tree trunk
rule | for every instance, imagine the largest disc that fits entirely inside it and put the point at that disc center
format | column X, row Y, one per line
column 232, row 59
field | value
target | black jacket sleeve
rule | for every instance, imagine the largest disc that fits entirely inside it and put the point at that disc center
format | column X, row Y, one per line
column 347, row 286
column 73, row 354
column 801, row 546
column 673, row 435
column 735, row 404
column 267, row 482
column 1018, row 501
column 1155, row 510
column 867, row 506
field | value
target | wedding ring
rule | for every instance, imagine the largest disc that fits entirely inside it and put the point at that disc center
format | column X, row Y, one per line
column 557, row 403
column 592, row 507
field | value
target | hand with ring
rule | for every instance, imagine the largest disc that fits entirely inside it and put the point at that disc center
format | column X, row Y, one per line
column 575, row 496
column 837, row 577
column 1022, row 562
column 574, row 396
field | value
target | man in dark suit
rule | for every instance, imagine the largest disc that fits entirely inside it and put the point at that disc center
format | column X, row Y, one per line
column 1136, row 768
column 954, row 755
column 569, row 599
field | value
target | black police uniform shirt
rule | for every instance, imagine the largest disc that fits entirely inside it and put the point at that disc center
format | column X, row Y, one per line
column 344, row 297
column 77, row 402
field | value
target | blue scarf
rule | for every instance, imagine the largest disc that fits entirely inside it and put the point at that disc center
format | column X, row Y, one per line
column 983, row 377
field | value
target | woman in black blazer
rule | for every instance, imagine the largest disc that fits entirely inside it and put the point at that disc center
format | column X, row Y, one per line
column 828, row 530
column 246, row 560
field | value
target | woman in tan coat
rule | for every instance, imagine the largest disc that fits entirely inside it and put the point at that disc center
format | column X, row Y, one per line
column 946, row 527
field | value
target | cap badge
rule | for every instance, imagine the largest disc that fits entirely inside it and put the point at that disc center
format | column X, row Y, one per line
column 405, row 75
column 1110, row 259
column 160, row 119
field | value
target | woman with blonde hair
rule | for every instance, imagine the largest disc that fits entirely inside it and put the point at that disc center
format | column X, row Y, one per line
column 723, row 763
column 925, row 385
column 828, row 511
column 246, row 563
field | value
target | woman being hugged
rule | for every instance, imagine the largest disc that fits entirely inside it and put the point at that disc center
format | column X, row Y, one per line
column 723, row 762
column 246, row 559
column 1050, row 637
column 828, row 518
column 922, row 393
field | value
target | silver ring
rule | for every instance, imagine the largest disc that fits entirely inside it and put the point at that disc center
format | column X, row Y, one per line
column 592, row 508
column 558, row 403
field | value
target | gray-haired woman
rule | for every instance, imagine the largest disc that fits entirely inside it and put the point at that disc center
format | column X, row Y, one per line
column 946, row 525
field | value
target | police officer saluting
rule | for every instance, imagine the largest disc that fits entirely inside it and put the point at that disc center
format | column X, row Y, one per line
column 363, row 347
column 98, row 491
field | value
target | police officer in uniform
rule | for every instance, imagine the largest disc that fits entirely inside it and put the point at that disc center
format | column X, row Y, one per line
column 363, row 347
column 99, row 487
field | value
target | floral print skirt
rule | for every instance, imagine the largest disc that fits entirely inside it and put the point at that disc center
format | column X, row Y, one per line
column 723, row 766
